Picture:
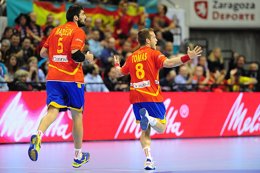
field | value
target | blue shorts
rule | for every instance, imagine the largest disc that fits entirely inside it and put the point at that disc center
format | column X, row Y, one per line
column 154, row 109
column 65, row 95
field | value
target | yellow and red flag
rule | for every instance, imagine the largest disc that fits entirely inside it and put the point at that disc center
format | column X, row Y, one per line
column 42, row 9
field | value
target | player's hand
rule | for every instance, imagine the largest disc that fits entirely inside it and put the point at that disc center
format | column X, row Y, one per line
column 89, row 57
column 196, row 52
column 116, row 59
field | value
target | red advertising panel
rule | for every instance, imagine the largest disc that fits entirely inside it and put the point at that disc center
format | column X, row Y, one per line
column 109, row 116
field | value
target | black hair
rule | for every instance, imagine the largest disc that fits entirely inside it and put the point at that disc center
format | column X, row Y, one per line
column 73, row 10
column 165, row 9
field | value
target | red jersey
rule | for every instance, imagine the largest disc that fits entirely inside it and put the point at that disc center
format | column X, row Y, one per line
column 61, row 41
column 143, row 66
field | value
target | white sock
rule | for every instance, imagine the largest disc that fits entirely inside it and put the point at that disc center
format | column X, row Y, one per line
column 78, row 153
column 151, row 120
column 147, row 152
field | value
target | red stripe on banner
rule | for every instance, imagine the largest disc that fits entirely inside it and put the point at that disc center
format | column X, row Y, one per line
column 50, row 7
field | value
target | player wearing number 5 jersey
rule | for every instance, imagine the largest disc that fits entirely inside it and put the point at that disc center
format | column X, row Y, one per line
column 145, row 93
column 65, row 88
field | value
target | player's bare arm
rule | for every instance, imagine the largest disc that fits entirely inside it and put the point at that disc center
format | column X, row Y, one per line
column 117, row 65
column 78, row 56
column 44, row 52
column 179, row 60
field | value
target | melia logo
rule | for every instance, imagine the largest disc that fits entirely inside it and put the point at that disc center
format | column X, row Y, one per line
column 17, row 122
column 238, row 120
column 201, row 9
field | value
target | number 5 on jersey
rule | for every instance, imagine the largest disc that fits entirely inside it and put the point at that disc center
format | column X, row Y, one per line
column 60, row 46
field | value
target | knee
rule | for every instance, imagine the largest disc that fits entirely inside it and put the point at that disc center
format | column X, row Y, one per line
column 162, row 129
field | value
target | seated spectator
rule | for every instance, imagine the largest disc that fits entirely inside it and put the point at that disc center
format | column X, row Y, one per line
column 216, row 60
column 20, row 81
column 167, row 82
column 168, row 49
column 12, row 65
column 239, row 82
column 112, row 82
column 108, row 52
column 26, row 51
column 199, row 80
column 5, row 49
column 8, row 32
column 95, row 46
column 183, row 79
column 239, row 65
column 93, row 80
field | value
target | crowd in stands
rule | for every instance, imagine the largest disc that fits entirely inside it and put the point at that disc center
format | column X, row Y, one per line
column 22, row 69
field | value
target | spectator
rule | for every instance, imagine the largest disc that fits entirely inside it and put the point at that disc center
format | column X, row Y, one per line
column 94, row 44
column 160, row 22
column 216, row 60
column 239, row 82
column 108, row 53
column 167, row 83
column 8, row 32
column 88, row 28
column 22, row 23
column 49, row 22
column 93, row 80
column 168, row 49
column 183, row 79
column 123, row 22
column 35, row 31
column 26, row 51
column 199, row 80
column 98, row 25
column 20, row 83
column 12, row 66
column 5, row 49
column 15, row 43
column 112, row 82
column 239, row 65
column 46, row 33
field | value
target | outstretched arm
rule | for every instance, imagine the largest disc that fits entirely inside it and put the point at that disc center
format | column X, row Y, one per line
column 179, row 60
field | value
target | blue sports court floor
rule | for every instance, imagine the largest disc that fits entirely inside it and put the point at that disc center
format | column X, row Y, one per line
column 216, row 155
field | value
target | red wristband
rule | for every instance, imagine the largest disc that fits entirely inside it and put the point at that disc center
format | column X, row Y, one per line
column 185, row 58
column 117, row 65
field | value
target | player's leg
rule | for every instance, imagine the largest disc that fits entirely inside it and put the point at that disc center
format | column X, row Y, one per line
column 76, row 97
column 145, row 138
column 54, row 102
column 153, row 114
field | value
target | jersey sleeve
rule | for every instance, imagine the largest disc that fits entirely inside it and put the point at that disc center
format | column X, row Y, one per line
column 78, row 40
column 159, row 58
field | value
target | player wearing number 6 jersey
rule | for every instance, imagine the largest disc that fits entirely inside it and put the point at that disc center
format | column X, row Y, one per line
column 65, row 88
column 145, row 93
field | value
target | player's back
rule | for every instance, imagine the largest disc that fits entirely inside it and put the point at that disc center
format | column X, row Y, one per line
column 144, row 65
column 62, row 40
